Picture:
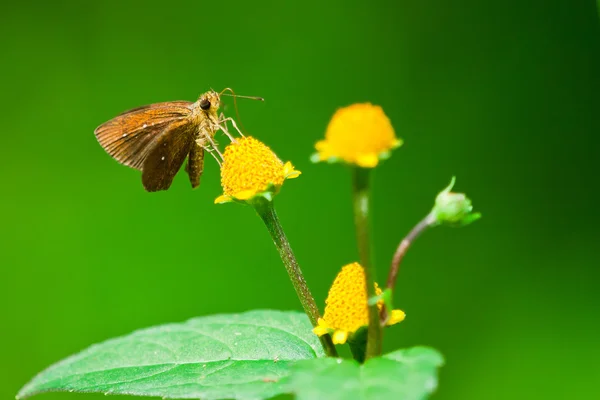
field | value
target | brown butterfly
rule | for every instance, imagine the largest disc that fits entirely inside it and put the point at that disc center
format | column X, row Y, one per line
column 157, row 138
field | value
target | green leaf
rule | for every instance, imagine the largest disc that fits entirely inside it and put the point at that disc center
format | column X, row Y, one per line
column 409, row 374
column 240, row 356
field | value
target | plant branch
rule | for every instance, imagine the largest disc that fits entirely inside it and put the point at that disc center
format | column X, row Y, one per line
column 267, row 212
column 360, row 197
column 403, row 248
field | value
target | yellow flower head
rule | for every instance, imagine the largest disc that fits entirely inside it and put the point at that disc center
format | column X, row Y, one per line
column 251, row 169
column 359, row 134
column 346, row 309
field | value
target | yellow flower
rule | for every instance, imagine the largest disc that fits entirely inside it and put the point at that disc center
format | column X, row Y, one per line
column 346, row 309
column 359, row 134
column 251, row 169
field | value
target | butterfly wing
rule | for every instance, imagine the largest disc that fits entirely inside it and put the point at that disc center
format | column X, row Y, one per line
column 129, row 137
column 154, row 106
column 167, row 154
column 195, row 164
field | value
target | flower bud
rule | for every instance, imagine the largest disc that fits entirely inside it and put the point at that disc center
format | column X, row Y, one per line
column 453, row 208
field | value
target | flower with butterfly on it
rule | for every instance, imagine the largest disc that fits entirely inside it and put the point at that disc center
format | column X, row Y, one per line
column 346, row 309
column 250, row 169
column 360, row 134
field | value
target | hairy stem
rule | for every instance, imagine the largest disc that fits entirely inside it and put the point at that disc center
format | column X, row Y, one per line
column 401, row 252
column 360, row 196
column 267, row 212
column 403, row 248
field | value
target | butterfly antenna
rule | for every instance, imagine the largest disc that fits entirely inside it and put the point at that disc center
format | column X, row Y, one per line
column 237, row 112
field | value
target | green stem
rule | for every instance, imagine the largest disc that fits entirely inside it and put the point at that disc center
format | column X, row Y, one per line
column 360, row 195
column 267, row 212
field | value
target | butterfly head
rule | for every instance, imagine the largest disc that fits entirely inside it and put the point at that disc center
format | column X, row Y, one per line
column 210, row 102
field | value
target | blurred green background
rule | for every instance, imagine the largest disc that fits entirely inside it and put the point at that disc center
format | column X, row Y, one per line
column 502, row 94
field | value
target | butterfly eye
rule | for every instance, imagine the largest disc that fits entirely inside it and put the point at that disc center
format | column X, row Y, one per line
column 204, row 104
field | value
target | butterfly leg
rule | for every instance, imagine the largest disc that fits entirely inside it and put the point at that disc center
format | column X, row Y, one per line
column 214, row 146
column 224, row 120
column 223, row 127
column 225, row 131
column 211, row 152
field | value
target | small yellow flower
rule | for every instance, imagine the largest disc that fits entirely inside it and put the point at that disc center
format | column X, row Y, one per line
column 251, row 169
column 346, row 308
column 359, row 134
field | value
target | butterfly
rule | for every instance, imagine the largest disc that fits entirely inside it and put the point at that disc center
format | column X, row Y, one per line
column 157, row 138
